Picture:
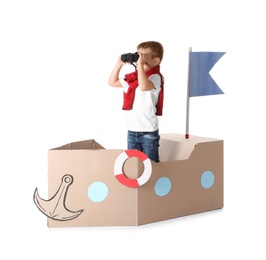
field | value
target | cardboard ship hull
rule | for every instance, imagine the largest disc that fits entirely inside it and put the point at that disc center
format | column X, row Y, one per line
column 174, row 188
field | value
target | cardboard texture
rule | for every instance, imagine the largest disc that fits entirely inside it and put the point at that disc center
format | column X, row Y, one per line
column 84, row 190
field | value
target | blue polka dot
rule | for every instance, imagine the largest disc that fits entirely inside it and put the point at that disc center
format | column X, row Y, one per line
column 98, row 191
column 207, row 179
column 162, row 186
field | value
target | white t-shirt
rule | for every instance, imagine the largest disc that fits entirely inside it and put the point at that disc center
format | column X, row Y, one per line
column 142, row 118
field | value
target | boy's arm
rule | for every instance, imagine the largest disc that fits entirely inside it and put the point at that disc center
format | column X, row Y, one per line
column 114, row 77
column 144, row 83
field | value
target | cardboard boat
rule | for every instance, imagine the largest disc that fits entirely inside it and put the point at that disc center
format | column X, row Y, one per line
column 86, row 189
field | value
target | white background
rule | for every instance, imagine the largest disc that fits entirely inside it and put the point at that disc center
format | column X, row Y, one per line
column 55, row 60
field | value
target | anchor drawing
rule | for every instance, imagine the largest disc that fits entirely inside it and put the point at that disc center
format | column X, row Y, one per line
column 55, row 208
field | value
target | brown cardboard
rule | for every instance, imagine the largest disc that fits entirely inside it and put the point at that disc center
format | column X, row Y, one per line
column 183, row 162
column 187, row 196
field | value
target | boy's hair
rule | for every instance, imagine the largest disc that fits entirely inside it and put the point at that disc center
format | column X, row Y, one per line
column 155, row 47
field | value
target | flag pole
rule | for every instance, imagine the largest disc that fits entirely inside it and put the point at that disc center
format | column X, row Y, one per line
column 187, row 115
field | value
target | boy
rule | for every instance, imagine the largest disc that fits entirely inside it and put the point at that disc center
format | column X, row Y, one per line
column 143, row 98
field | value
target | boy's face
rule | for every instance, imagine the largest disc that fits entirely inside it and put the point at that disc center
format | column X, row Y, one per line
column 147, row 59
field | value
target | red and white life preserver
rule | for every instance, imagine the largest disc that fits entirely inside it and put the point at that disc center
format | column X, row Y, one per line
column 118, row 168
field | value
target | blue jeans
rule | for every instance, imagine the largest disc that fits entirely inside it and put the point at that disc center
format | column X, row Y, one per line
column 146, row 142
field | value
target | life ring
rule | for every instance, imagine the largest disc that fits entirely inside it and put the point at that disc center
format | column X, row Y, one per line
column 121, row 177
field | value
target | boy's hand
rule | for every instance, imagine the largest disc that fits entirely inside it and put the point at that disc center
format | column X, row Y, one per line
column 119, row 61
column 142, row 59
